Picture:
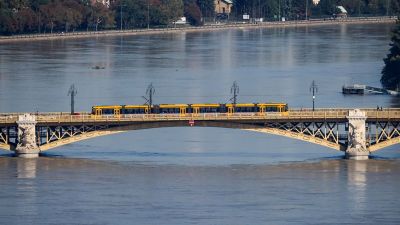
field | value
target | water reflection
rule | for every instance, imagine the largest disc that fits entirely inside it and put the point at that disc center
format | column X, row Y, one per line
column 26, row 168
column 26, row 189
column 357, row 183
column 71, row 191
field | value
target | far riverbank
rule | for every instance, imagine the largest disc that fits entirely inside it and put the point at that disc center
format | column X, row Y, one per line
column 300, row 23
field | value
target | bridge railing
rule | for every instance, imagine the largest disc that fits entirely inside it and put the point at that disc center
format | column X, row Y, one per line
column 189, row 116
column 6, row 119
column 65, row 117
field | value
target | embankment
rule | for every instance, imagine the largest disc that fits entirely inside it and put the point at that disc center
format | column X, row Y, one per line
column 216, row 27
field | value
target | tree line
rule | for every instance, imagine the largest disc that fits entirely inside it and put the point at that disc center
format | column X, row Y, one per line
column 391, row 71
column 296, row 9
column 48, row 16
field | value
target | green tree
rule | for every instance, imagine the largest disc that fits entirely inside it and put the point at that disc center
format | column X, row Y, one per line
column 170, row 11
column 7, row 23
column 134, row 13
column 391, row 71
column 207, row 7
column 327, row 7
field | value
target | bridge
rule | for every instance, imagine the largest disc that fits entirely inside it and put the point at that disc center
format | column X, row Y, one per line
column 356, row 132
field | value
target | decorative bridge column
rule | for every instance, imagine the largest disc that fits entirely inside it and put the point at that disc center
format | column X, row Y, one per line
column 27, row 146
column 356, row 148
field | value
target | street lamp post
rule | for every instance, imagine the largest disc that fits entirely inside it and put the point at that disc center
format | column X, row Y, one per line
column 387, row 7
column 120, row 13
column 149, row 95
column 306, row 9
column 148, row 14
column 72, row 91
column 279, row 11
column 313, row 89
column 235, row 92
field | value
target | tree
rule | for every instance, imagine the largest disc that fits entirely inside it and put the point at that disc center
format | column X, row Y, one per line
column 7, row 24
column 171, row 10
column 99, row 15
column 391, row 71
column 25, row 20
column 207, row 7
column 327, row 7
column 51, row 15
column 192, row 12
column 72, row 14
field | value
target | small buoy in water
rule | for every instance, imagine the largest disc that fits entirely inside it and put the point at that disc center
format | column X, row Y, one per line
column 98, row 67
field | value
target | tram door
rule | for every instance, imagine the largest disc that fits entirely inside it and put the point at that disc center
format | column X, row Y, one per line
column 146, row 110
column 117, row 113
column 182, row 111
column 262, row 110
column 98, row 112
column 196, row 110
column 230, row 110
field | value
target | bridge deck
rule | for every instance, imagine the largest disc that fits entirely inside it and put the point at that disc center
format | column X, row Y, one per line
column 293, row 115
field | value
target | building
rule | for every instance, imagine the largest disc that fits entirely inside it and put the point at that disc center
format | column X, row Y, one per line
column 342, row 12
column 315, row 2
column 223, row 6
column 104, row 2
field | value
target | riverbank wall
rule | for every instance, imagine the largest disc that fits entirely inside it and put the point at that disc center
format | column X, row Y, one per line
column 214, row 27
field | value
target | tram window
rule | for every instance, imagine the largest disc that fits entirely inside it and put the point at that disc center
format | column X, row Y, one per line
column 170, row 110
column 271, row 109
column 108, row 111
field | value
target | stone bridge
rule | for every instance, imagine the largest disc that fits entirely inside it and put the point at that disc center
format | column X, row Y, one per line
column 356, row 132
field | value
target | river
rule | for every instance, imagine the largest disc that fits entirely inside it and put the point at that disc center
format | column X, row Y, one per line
column 198, row 175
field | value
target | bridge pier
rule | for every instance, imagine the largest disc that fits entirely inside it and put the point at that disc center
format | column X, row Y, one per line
column 27, row 146
column 356, row 148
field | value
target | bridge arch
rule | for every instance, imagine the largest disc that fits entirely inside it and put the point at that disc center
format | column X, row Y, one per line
column 5, row 147
column 384, row 144
column 75, row 136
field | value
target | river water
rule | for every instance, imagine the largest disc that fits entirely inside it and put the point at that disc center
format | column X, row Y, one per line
column 198, row 175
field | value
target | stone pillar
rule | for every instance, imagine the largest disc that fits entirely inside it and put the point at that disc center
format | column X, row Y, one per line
column 356, row 148
column 27, row 146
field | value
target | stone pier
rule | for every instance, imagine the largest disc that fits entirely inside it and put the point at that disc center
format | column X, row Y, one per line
column 27, row 146
column 356, row 148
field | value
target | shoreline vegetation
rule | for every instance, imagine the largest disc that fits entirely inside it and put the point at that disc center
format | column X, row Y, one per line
column 214, row 27
column 391, row 71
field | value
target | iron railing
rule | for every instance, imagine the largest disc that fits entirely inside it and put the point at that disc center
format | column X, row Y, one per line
column 64, row 117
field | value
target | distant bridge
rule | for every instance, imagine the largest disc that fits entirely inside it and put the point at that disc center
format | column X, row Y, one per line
column 353, row 131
